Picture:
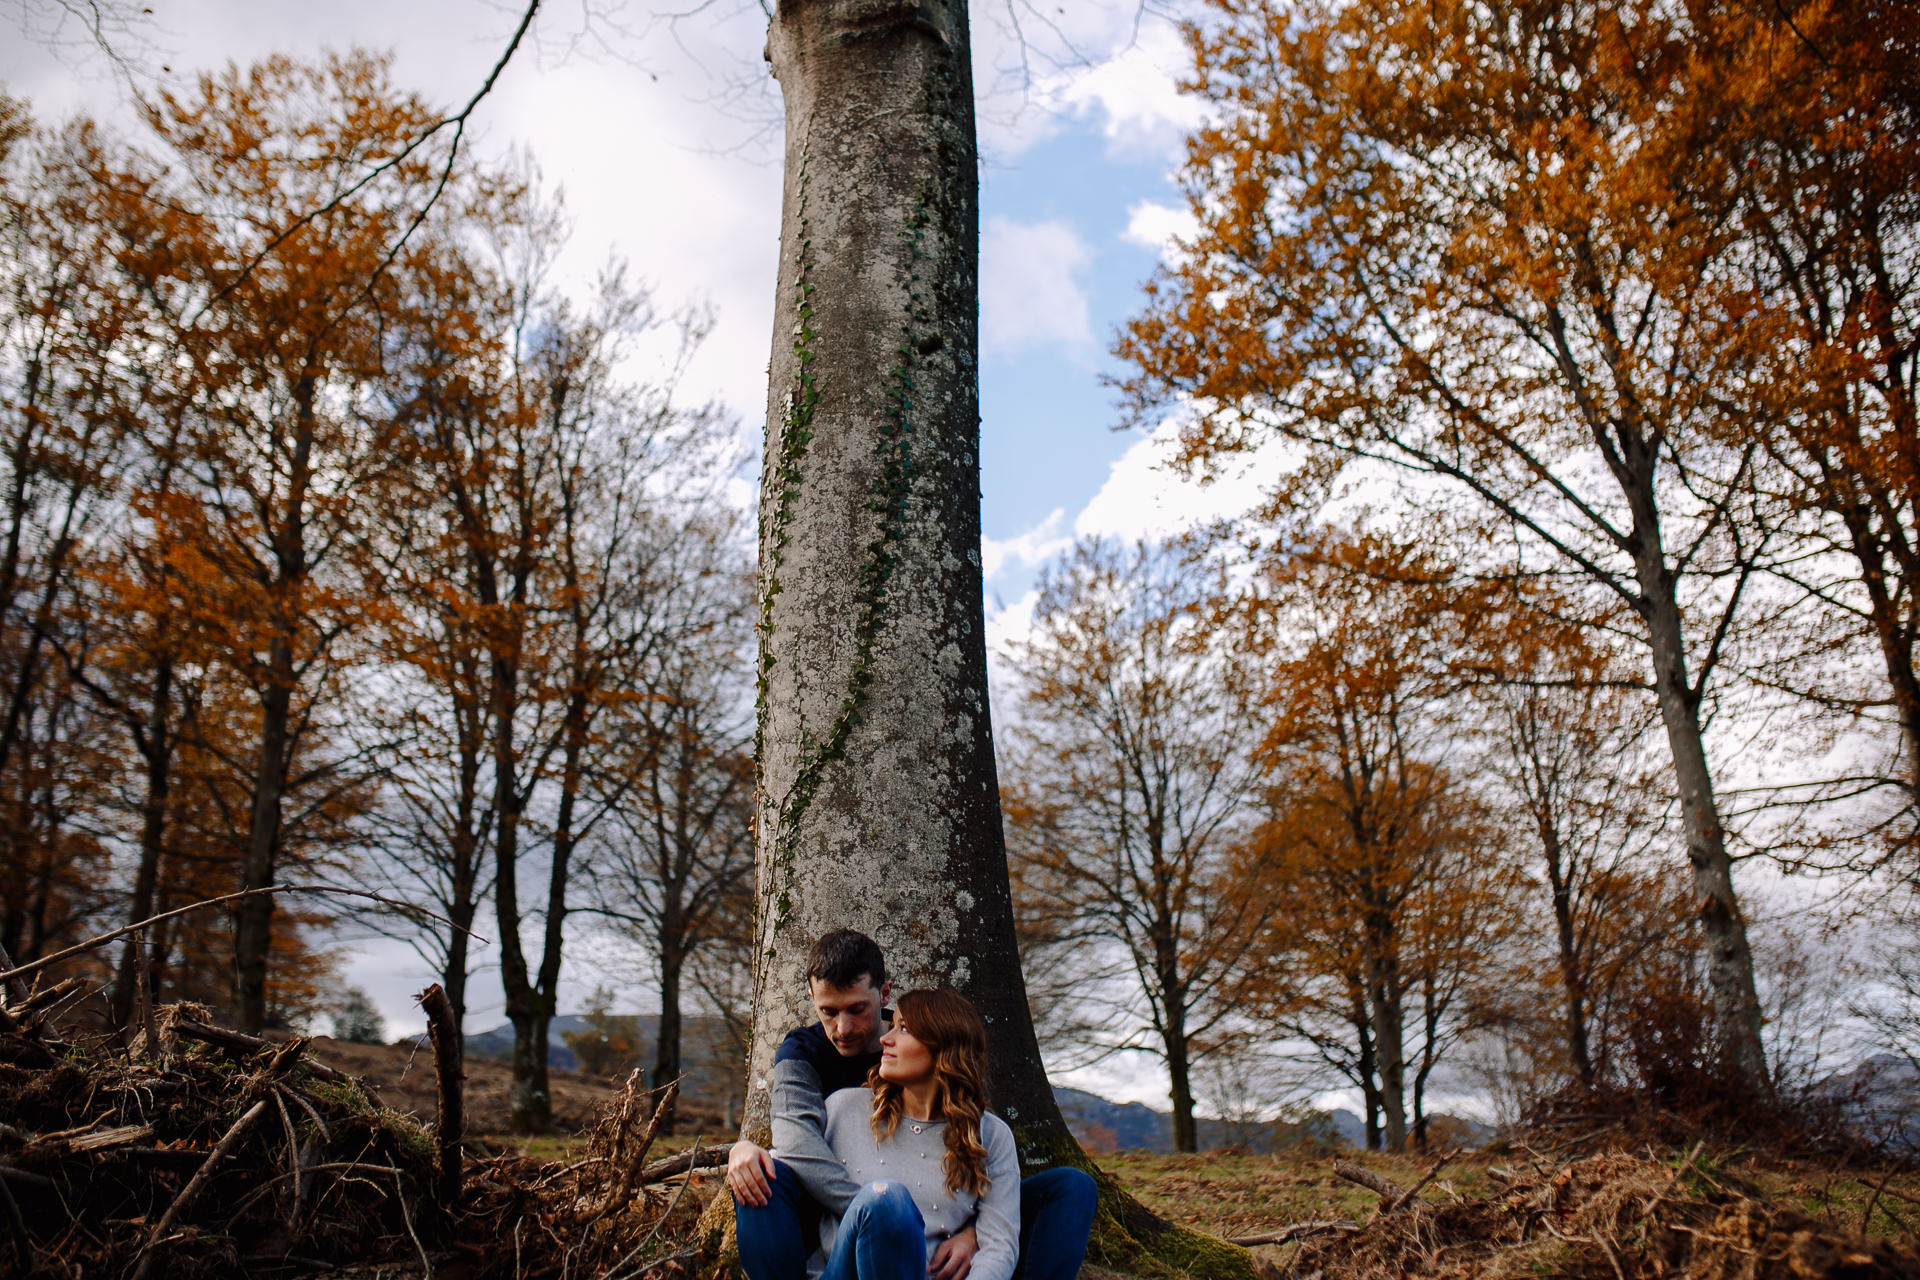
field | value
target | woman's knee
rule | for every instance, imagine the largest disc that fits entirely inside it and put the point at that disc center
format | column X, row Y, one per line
column 886, row 1200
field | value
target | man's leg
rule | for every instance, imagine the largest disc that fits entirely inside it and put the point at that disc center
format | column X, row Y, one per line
column 777, row 1238
column 1056, row 1217
column 881, row 1237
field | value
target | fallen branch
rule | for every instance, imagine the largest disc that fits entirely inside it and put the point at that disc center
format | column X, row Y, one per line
column 197, row 1184
column 90, row 1139
column 1420, row 1186
column 1897, row 1193
column 692, row 1158
column 1386, row 1188
column 241, row 1042
column 1294, row 1231
column 15, row 974
column 13, row 983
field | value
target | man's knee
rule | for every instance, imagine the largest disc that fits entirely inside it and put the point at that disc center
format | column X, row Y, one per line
column 1067, row 1191
column 784, row 1192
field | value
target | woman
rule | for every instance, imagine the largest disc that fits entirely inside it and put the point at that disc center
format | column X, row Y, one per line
column 930, row 1155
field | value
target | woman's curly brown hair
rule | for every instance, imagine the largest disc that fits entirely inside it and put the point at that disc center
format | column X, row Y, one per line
column 946, row 1023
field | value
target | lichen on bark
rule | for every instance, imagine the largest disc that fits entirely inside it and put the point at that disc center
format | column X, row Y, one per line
column 877, row 799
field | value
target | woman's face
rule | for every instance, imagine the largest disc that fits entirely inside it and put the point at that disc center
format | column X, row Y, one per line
column 903, row 1058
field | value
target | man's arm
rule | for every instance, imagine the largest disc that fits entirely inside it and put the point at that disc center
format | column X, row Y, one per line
column 800, row 1136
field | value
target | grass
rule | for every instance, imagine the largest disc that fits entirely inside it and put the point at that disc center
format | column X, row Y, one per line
column 1234, row 1194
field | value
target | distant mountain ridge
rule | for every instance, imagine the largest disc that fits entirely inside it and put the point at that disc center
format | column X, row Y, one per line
column 712, row 1072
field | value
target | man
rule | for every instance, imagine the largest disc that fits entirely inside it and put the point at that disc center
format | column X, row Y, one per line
column 779, row 1195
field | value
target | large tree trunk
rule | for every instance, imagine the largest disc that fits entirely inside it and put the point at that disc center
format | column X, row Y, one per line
column 878, row 804
column 878, row 801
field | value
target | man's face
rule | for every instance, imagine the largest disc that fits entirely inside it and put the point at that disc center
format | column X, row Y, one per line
column 851, row 1014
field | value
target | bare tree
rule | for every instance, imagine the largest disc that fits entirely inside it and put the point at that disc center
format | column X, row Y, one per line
column 1132, row 795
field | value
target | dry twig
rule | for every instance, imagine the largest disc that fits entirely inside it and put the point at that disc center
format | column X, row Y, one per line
column 194, row 1187
column 1294, row 1231
column 1386, row 1188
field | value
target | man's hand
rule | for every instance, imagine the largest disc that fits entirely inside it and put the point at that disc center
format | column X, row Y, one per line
column 954, row 1258
column 750, row 1175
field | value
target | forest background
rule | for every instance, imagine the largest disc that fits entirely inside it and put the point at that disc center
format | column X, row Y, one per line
column 403, row 558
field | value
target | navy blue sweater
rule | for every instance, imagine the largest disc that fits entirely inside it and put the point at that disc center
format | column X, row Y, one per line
column 809, row 1044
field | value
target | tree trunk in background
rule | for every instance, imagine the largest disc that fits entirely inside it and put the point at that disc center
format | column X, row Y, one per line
column 1736, row 1001
column 253, row 919
column 1367, row 1065
column 1388, row 1025
column 666, row 1062
column 156, row 745
column 1179, row 1051
column 1572, row 979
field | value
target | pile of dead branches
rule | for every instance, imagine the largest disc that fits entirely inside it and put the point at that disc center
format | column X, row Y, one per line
column 611, row 1212
column 203, row 1153
column 1613, row 1216
column 196, row 1151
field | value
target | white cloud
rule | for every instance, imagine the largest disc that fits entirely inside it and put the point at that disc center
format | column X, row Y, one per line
column 1102, row 60
column 1136, row 95
column 1145, row 497
column 1157, row 226
column 1029, row 293
column 1023, row 551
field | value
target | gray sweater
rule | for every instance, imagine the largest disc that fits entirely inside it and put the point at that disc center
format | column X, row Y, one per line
column 915, row 1157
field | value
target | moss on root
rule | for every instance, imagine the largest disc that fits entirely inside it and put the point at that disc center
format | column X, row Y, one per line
column 719, row 1243
column 1132, row 1240
column 1128, row 1239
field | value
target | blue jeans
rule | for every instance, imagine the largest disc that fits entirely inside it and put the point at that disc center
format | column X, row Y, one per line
column 881, row 1237
column 778, row 1237
column 1056, row 1216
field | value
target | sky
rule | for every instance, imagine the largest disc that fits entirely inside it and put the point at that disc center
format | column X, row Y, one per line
column 660, row 128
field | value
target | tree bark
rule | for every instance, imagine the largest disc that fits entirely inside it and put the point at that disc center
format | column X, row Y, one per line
column 1736, row 1002
column 1572, row 979
column 666, row 1060
column 877, row 795
column 1368, row 1066
column 1389, row 1035
column 1179, row 1070
column 253, row 919
column 157, row 746
column 877, row 798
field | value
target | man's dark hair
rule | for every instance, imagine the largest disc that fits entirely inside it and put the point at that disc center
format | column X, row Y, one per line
column 843, row 957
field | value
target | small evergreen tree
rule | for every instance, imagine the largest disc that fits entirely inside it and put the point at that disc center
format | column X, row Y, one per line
column 356, row 1021
column 609, row 1043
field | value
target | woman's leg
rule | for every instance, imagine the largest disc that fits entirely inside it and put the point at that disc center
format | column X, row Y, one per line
column 881, row 1237
column 1056, row 1217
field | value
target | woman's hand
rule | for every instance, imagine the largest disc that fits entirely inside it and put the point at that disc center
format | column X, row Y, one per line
column 954, row 1258
column 750, row 1173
